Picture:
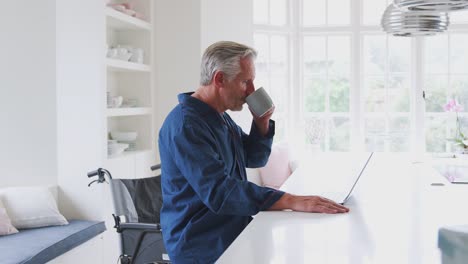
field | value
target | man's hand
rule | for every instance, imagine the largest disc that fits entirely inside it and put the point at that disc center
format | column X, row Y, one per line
column 312, row 204
column 262, row 122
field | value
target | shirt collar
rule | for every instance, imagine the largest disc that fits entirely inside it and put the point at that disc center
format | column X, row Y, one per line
column 201, row 107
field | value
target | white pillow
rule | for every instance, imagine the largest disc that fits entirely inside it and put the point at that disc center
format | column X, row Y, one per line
column 30, row 207
column 5, row 223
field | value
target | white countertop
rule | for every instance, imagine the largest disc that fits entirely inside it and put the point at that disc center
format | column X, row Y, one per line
column 394, row 217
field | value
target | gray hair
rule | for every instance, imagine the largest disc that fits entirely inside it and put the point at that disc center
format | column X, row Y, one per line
column 224, row 56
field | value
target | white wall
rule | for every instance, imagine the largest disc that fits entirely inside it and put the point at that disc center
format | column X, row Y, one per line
column 177, row 52
column 80, row 105
column 226, row 20
column 51, row 96
column 28, row 154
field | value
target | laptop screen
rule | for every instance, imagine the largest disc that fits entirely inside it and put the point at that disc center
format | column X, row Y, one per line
column 453, row 172
column 358, row 177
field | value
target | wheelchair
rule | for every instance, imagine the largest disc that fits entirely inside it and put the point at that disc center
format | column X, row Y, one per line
column 137, row 205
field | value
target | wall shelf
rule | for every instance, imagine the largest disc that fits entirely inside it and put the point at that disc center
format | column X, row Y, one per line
column 119, row 21
column 120, row 65
column 130, row 153
column 130, row 111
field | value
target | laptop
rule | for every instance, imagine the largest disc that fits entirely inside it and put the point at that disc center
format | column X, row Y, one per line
column 342, row 198
column 455, row 173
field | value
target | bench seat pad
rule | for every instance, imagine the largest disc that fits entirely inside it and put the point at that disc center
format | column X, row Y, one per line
column 39, row 245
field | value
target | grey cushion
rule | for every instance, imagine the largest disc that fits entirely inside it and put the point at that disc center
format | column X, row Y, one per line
column 39, row 245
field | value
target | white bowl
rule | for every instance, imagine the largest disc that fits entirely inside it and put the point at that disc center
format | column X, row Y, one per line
column 117, row 148
column 129, row 12
column 124, row 57
column 124, row 136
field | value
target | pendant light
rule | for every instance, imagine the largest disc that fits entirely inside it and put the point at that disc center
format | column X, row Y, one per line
column 408, row 24
column 432, row 5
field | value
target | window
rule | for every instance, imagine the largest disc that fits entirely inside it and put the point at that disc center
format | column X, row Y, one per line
column 340, row 83
column 445, row 78
column 326, row 88
column 272, row 72
column 386, row 79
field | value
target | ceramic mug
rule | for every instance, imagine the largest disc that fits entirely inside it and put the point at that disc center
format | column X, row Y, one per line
column 259, row 102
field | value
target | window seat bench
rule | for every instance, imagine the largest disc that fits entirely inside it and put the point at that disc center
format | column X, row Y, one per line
column 40, row 245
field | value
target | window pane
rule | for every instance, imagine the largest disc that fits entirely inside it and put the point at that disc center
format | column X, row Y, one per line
column 339, row 134
column 260, row 11
column 375, row 134
column 279, row 55
column 399, row 54
column 315, row 60
column 463, row 128
column 339, row 55
column 459, row 53
column 464, row 124
column 261, row 44
column 339, row 94
column 436, row 94
column 278, row 11
column 313, row 12
column 398, row 93
column 451, row 119
column 436, row 54
column 459, row 17
column 339, row 12
column 315, row 131
column 459, row 86
column 399, row 134
column 262, row 80
column 278, row 91
column 314, row 91
column 374, row 54
column 372, row 11
column 374, row 92
column 280, row 127
column 436, row 134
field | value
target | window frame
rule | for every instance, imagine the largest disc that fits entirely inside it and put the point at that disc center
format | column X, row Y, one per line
column 357, row 30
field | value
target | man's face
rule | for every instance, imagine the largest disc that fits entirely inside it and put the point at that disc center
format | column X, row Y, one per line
column 236, row 90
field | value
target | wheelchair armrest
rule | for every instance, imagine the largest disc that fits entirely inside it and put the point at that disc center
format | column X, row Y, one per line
column 141, row 226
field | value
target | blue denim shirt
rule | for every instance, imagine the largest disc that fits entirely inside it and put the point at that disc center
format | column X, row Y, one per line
column 207, row 200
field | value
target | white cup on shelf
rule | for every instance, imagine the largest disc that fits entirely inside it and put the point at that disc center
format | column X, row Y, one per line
column 115, row 102
column 112, row 53
column 137, row 55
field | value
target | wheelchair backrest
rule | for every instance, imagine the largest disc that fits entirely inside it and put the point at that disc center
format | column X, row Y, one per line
column 139, row 200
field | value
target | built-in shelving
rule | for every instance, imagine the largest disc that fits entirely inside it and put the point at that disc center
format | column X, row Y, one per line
column 128, row 86
column 131, row 81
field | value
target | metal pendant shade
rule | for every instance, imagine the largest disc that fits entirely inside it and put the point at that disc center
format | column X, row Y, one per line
column 432, row 5
column 408, row 24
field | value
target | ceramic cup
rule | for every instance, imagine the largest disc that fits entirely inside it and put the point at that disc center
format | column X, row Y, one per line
column 116, row 101
column 259, row 102
column 137, row 55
